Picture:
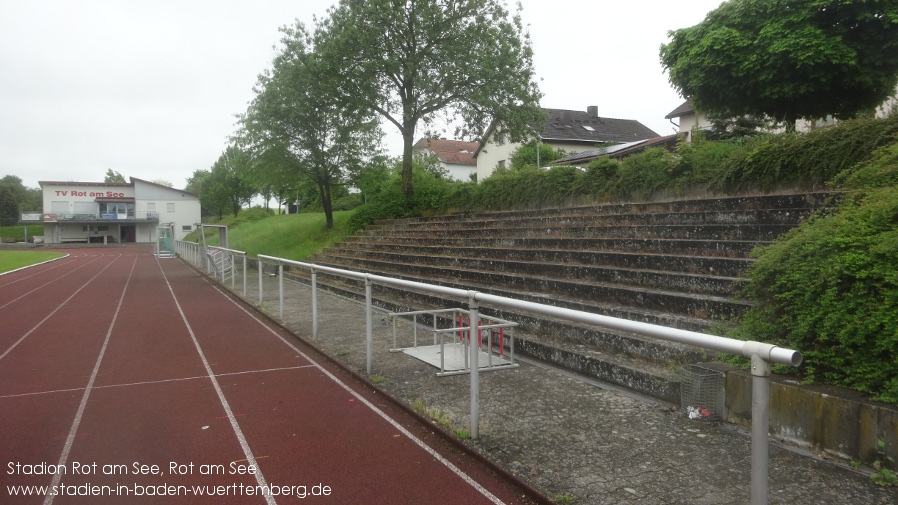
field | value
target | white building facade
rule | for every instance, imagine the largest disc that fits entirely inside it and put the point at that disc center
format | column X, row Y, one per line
column 112, row 213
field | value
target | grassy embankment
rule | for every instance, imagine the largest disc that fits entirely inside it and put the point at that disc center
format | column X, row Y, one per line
column 18, row 232
column 293, row 236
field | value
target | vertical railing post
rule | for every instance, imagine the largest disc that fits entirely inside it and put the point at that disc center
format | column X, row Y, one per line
column 281, row 290
column 369, row 345
column 474, row 316
column 314, row 304
column 260, row 280
column 244, row 276
column 760, row 426
column 233, row 271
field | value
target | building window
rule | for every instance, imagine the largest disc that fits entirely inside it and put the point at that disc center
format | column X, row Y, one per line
column 187, row 227
column 122, row 209
column 151, row 206
column 170, row 207
column 86, row 208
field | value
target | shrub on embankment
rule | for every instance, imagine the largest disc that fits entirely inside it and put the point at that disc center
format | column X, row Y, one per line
column 829, row 288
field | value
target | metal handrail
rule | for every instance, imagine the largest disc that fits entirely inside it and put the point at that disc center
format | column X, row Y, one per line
column 762, row 355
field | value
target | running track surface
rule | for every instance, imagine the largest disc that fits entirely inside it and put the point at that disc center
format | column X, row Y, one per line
column 136, row 380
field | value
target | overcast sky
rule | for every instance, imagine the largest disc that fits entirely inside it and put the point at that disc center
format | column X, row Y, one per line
column 150, row 89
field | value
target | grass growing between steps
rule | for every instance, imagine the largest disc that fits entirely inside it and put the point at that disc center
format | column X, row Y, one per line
column 291, row 236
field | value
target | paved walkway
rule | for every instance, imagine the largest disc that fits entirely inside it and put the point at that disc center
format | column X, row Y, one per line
column 575, row 441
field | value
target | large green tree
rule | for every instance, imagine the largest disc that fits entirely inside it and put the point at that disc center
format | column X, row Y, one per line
column 414, row 62
column 227, row 186
column 300, row 127
column 9, row 206
column 26, row 198
column 787, row 59
column 195, row 184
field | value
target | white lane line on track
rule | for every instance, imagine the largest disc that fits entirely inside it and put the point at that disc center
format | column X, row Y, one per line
column 448, row 464
column 20, row 279
column 162, row 381
column 61, row 305
column 250, row 458
column 45, row 284
column 63, row 458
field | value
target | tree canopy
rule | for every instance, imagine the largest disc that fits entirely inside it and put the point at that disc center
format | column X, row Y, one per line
column 9, row 206
column 413, row 62
column 24, row 198
column 301, row 128
column 787, row 59
column 226, row 187
column 113, row 176
column 528, row 156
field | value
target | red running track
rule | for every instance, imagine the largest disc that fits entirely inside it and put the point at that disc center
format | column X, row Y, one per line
column 130, row 379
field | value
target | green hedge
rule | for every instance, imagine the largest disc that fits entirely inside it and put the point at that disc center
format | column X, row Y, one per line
column 830, row 289
column 814, row 158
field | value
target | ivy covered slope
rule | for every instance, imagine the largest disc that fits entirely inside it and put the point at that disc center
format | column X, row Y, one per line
column 830, row 287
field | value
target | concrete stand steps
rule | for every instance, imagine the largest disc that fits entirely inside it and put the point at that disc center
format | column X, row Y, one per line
column 678, row 263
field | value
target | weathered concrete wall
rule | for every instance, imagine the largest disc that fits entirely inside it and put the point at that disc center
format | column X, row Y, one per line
column 823, row 419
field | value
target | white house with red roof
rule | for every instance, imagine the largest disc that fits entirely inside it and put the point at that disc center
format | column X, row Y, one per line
column 456, row 156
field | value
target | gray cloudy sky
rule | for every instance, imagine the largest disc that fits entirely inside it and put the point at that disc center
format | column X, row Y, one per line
column 150, row 89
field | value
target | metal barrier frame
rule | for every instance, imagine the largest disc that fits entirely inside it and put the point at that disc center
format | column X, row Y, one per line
column 466, row 337
column 762, row 355
column 194, row 254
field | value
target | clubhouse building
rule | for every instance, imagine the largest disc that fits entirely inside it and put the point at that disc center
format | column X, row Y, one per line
column 112, row 213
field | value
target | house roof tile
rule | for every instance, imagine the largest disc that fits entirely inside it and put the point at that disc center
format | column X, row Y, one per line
column 580, row 126
column 684, row 109
column 454, row 152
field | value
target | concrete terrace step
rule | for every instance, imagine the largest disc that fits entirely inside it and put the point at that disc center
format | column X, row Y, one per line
column 567, row 293
column 694, row 247
column 763, row 232
column 742, row 203
column 627, row 360
column 519, row 273
column 677, row 264
column 404, row 252
column 790, row 216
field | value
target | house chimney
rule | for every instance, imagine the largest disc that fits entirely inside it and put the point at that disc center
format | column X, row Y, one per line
column 593, row 110
column 565, row 117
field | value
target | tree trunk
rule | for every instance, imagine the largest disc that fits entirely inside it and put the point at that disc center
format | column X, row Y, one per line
column 324, row 190
column 408, row 140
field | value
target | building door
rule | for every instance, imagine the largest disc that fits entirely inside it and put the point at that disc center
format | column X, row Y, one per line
column 129, row 234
